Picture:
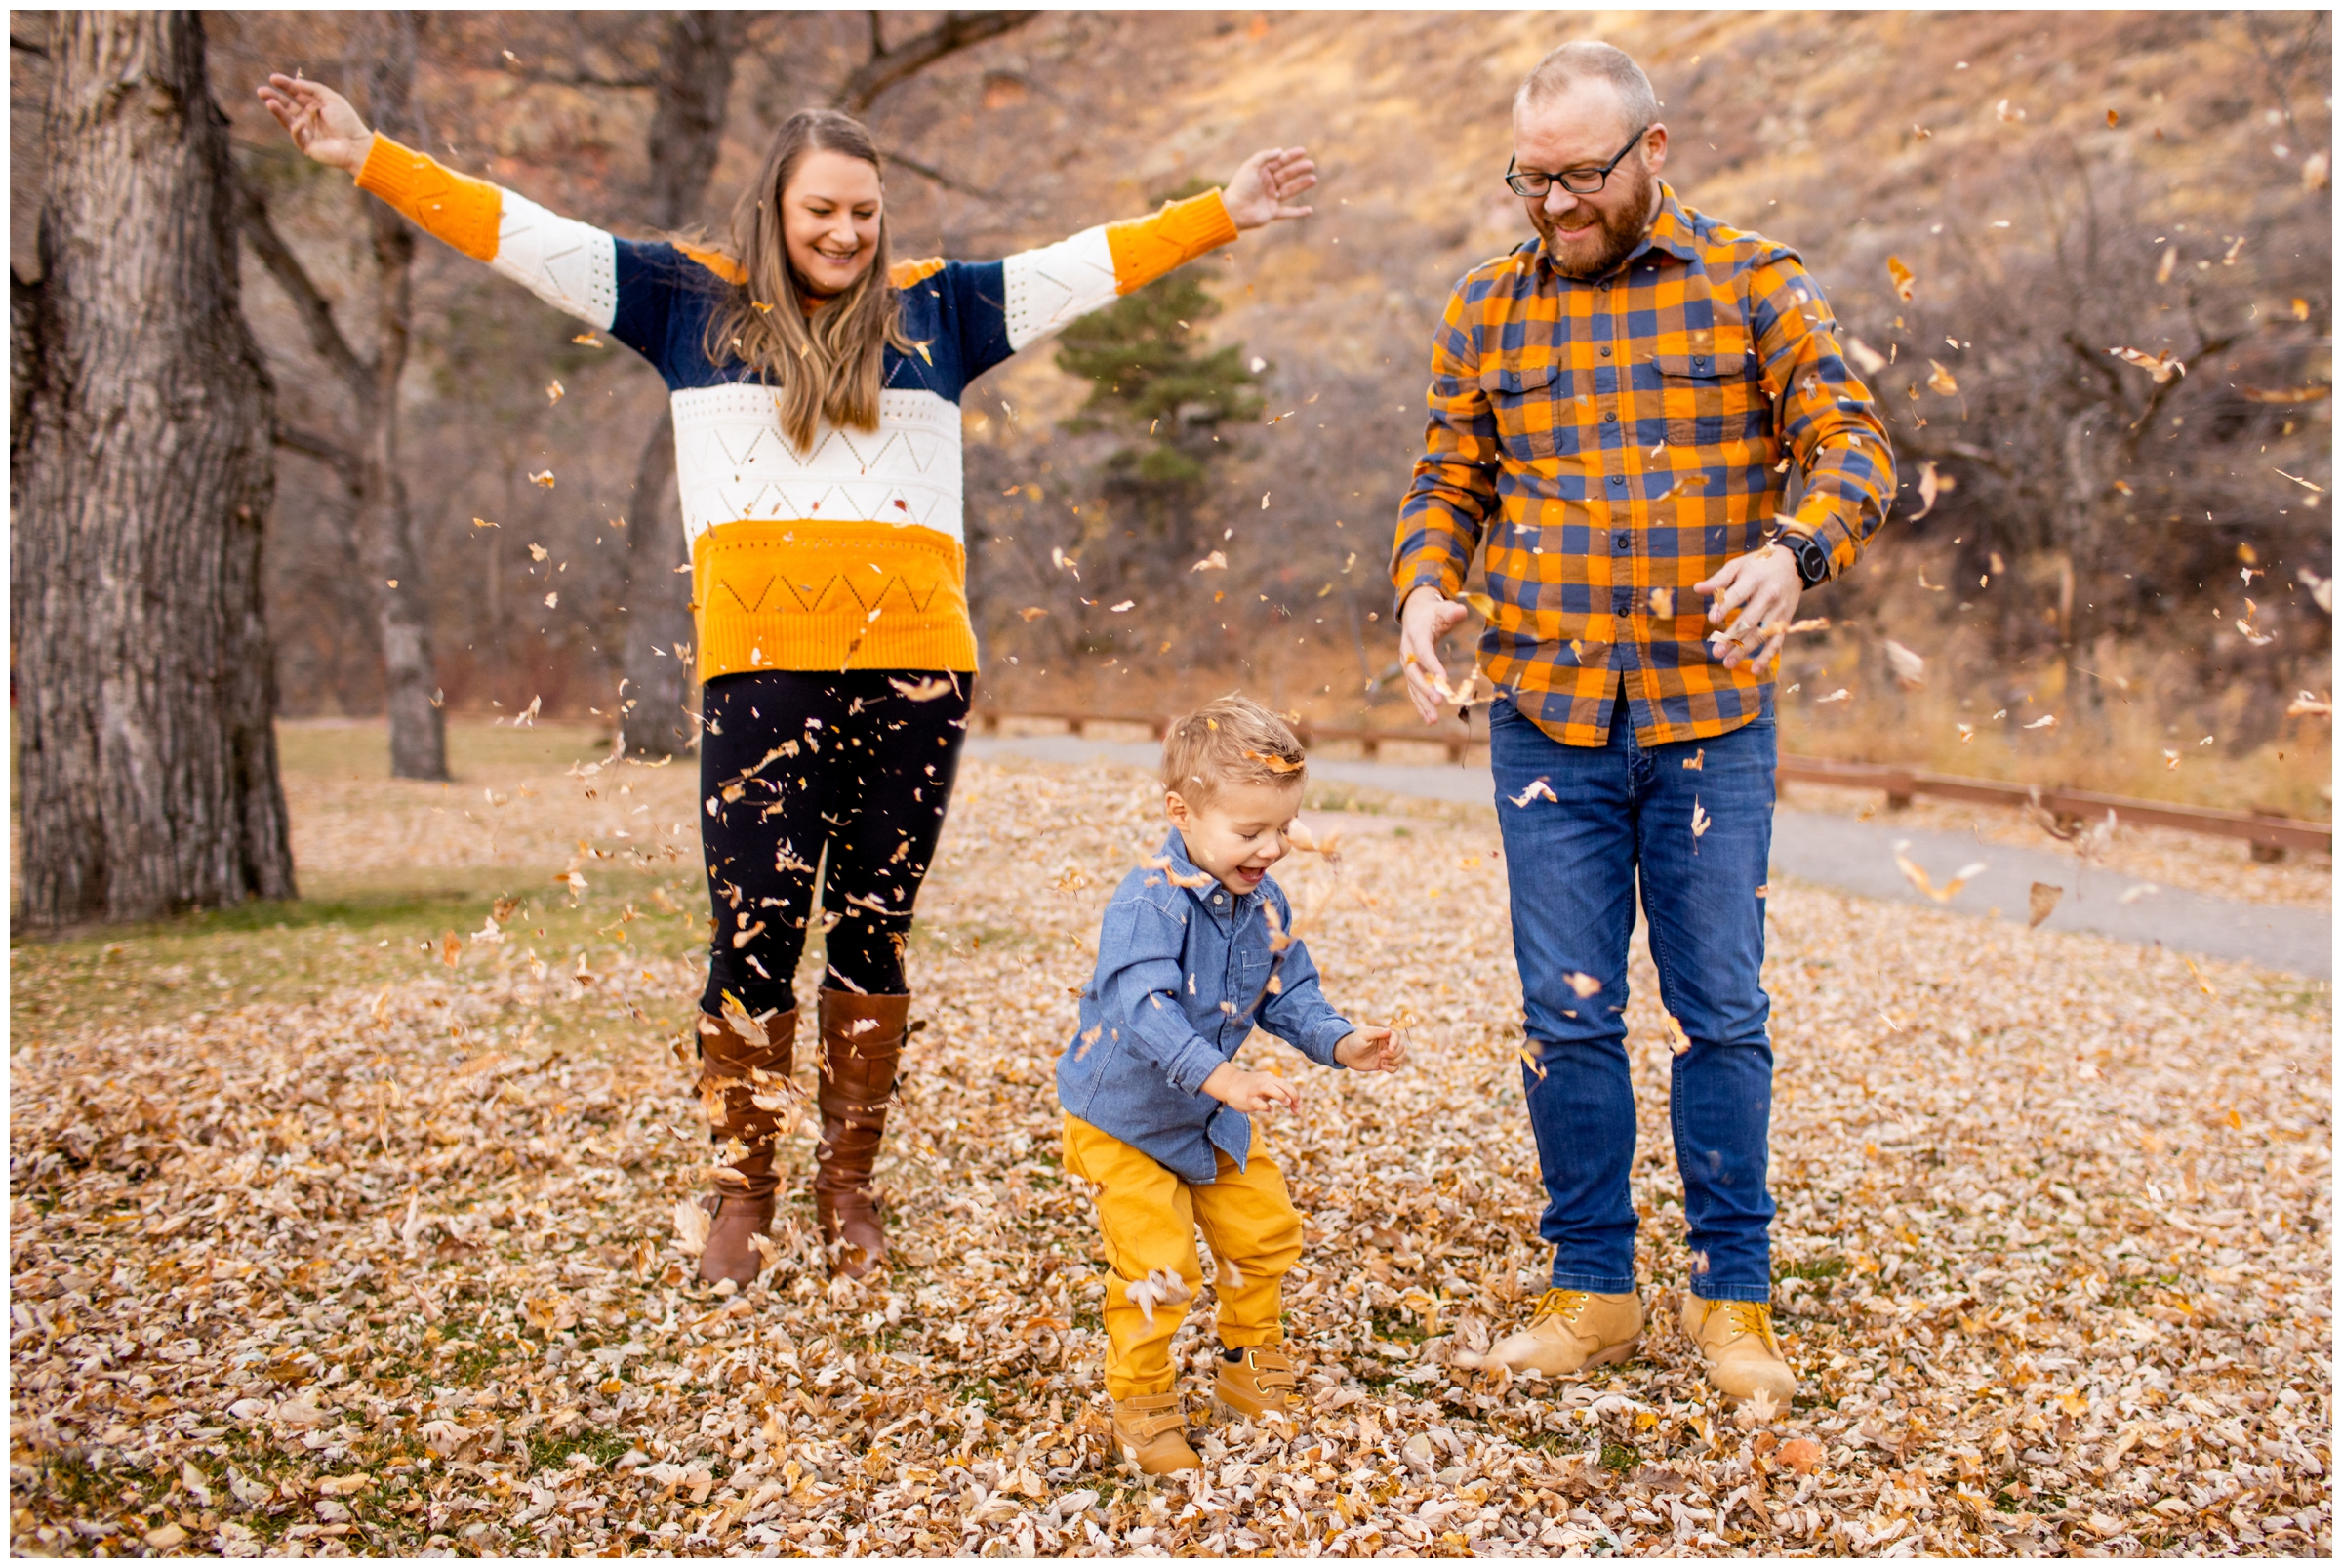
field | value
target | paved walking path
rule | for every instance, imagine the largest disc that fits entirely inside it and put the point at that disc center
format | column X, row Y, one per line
column 1859, row 857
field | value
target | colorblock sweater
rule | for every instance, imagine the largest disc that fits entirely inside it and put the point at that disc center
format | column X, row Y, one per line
column 851, row 555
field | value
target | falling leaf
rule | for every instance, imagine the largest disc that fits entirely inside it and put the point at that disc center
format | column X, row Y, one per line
column 1697, row 762
column 537, row 552
column 1942, row 381
column 2313, row 171
column 2168, row 264
column 925, row 689
column 1902, row 276
column 554, row 390
column 1967, row 733
column 481, row 522
column 1839, row 696
column 1909, row 668
column 451, row 949
column 1866, row 358
column 2006, row 114
column 2043, row 722
column 1217, row 561
column 1538, row 790
column 1700, row 819
column 2297, row 479
column 1928, row 490
column 2163, row 367
column 589, row 339
column 2112, row 119
column 2041, row 899
column 1264, row 500
column 1032, row 613
column 546, row 480
column 1586, row 986
column 2133, row 894
column 1124, row 605
column 2201, row 985
column 691, row 1227
column 1663, row 602
column 553, row 600
column 1678, row 1041
column 1919, row 878
column 1274, row 764
column 2309, row 703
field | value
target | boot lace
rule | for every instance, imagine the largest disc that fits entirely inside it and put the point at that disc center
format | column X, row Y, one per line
column 1751, row 1318
column 1564, row 1305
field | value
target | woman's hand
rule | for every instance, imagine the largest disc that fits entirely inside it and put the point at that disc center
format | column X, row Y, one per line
column 320, row 120
column 1263, row 186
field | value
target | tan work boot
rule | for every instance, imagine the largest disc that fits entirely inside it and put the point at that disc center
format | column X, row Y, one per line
column 1572, row 1330
column 1737, row 1345
column 1151, row 1432
column 1260, row 1384
column 744, row 1084
column 862, row 1049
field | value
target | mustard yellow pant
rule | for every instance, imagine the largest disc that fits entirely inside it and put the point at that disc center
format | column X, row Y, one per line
column 1148, row 1216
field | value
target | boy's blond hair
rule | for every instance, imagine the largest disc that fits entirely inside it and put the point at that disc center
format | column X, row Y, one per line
column 1230, row 740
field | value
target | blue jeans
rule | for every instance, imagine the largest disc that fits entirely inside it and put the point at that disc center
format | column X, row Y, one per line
column 1621, row 814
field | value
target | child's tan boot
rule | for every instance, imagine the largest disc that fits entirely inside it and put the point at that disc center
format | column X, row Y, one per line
column 1151, row 1432
column 1742, row 1355
column 1259, row 1383
column 1572, row 1330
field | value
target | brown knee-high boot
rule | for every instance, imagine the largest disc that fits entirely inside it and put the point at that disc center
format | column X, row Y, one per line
column 861, row 1047
column 743, row 1082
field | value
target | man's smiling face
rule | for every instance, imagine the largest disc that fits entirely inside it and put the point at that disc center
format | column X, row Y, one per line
column 1583, row 127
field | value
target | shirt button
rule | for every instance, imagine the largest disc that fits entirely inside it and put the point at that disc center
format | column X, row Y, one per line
column 1605, row 353
column 1214, row 897
column 1618, row 481
column 1610, row 419
column 1620, row 541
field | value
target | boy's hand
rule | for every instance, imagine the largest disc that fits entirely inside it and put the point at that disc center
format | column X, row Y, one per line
column 1250, row 1092
column 1373, row 1049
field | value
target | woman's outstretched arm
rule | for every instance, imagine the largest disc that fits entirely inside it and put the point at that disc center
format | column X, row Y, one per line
column 616, row 285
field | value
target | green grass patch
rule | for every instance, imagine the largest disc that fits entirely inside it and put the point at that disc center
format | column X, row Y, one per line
column 1620, row 1459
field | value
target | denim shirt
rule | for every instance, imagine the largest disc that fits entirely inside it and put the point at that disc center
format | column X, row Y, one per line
column 1181, row 980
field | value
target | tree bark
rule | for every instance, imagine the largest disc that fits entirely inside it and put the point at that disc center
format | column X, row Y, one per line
column 142, row 474
column 387, row 523
column 692, row 90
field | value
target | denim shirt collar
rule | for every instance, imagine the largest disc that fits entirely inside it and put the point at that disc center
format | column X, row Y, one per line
column 1227, row 908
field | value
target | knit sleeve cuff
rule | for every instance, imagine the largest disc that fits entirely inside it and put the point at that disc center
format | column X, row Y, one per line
column 451, row 207
column 1145, row 248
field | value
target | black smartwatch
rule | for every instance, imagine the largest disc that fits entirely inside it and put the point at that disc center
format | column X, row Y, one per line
column 1813, row 561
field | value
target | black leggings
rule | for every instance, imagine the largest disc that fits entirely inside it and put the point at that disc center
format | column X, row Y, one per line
column 797, row 763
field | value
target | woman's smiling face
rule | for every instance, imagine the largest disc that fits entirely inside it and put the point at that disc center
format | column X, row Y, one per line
column 830, row 215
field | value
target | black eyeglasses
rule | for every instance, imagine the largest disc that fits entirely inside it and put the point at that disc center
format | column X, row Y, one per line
column 1577, row 182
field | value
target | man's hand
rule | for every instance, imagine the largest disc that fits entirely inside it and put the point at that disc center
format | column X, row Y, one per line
column 1263, row 189
column 1250, row 1092
column 1373, row 1049
column 1756, row 597
column 1425, row 619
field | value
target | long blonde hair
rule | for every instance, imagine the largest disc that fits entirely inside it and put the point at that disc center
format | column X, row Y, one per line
column 831, row 363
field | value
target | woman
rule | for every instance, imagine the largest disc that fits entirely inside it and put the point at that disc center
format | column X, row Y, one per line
column 815, row 385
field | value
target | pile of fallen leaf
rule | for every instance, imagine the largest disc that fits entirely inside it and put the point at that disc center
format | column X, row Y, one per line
column 400, row 1271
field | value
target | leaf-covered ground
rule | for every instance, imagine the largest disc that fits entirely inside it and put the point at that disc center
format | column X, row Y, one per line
column 349, row 1227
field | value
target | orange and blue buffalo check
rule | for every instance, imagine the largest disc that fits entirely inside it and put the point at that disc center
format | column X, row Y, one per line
column 1625, row 437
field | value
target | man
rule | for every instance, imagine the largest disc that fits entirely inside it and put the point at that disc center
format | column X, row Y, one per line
column 1615, row 407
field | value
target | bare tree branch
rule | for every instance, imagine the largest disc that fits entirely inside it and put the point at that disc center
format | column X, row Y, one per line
column 316, row 314
column 887, row 67
column 331, row 453
column 947, row 181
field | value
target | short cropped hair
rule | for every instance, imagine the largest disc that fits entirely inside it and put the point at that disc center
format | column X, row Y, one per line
column 1590, row 59
column 1230, row 740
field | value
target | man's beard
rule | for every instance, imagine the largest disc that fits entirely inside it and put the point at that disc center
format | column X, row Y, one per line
column 1616, row 233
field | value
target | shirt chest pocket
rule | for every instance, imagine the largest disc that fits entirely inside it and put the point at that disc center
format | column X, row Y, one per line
column 1528, row 399
column 1710, row 398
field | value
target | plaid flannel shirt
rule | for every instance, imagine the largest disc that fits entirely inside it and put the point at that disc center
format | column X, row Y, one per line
column 1626, row 437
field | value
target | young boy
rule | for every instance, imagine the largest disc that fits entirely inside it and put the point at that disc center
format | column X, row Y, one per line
column 1196, row 950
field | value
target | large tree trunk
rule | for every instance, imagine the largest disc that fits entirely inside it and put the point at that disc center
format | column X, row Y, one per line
column 693, row 87
column 141, row 476
column 386, row 524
